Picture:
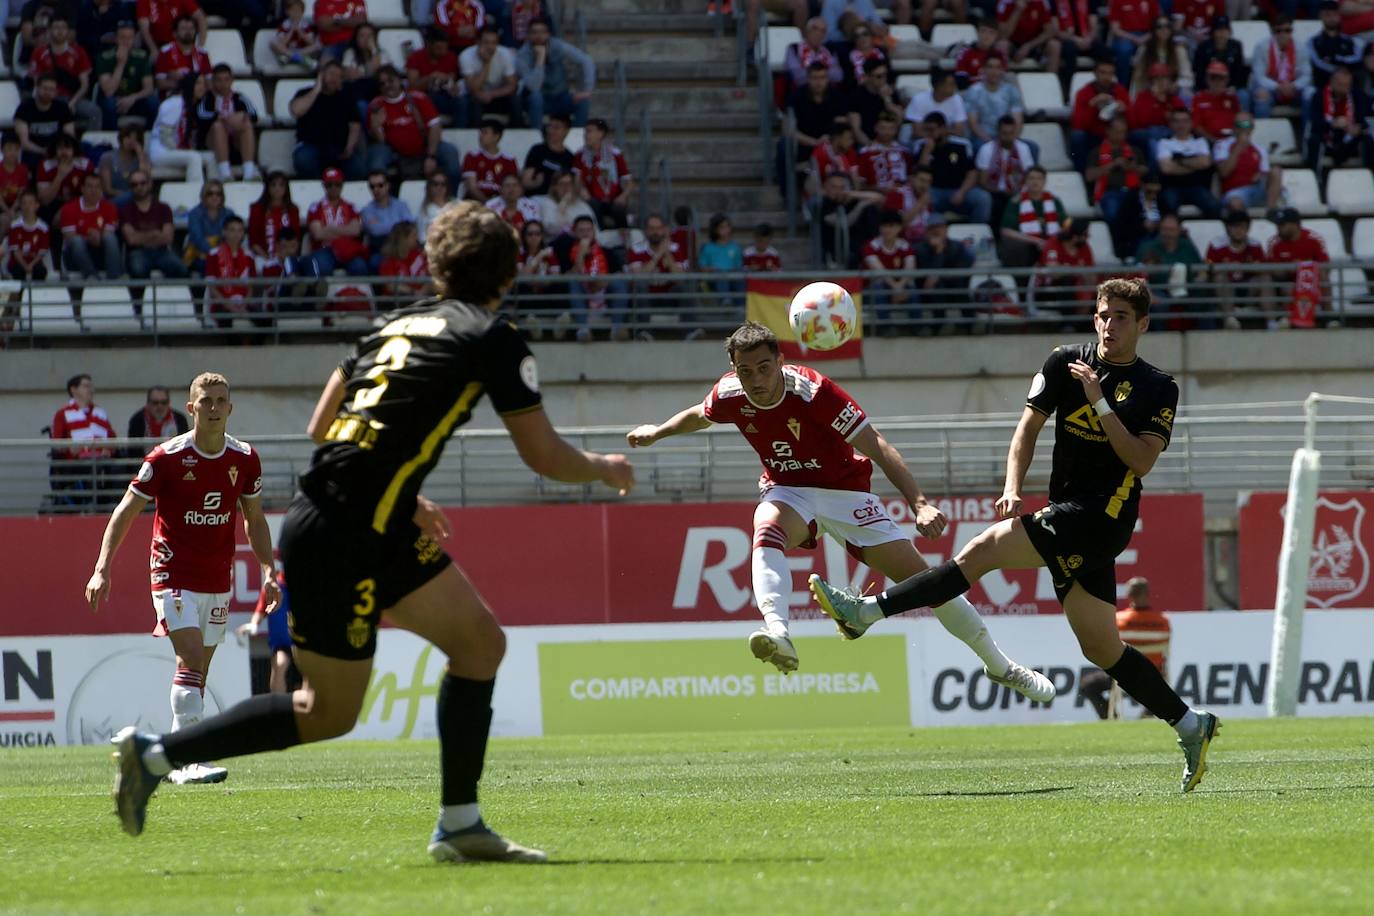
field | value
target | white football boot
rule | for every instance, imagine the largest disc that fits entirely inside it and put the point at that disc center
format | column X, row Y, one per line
column 198, row 773
column 771, row 644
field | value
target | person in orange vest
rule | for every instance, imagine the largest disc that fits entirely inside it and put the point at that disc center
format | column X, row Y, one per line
column 1141, row 626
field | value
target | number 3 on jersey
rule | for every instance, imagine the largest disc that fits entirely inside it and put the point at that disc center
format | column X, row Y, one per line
column 391, row 357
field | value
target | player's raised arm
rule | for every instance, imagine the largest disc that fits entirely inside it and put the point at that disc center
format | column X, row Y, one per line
column 684, row 421
column 930, row 521
column 326, row 408
column 98, row 587
column 1019, row 460
column 545, row 452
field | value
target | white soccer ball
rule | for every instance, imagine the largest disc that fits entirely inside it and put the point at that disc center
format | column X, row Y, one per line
column 823, row 316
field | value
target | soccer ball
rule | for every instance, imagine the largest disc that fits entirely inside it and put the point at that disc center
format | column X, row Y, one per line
column 823, row 316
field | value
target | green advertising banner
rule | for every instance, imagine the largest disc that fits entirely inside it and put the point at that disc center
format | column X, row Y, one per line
column 712, row 684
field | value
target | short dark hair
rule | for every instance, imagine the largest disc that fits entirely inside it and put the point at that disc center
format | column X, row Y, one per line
column 889, row 218
column 492, row 124
column 221, row 68
column 561, row 118
column 47, row 77
column 540, row 20
column 234, row 219
column 817, row 65
column 163, row 388
column 1134, row 291
column 287, row 235
column 9, row 137
column 472, row 252
column 749, row 336
column 763, row 231
column 490, row 29
column 77, row 380
column 1038, row 168
column 384, row 69
column 183, row 17
column 584, row 218
column 434, row 33
column 935, row 117
column 600, row 124
column 1006, row 121
column 1103, row 59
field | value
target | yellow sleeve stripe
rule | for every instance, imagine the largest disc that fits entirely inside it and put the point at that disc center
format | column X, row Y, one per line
column 517, row 412
column 1151, row 432
column 1037, row 409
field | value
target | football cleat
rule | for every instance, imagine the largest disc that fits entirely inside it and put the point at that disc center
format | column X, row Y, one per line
column 841, row 604
column 479, row 843
column 1195, row 749
column 134, row 783
column 774, row 647
column 197, row 773
column 1030, row 684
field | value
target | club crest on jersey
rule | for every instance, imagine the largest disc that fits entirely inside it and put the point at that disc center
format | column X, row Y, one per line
column 234, row 471
column 1123, row 391
column 794, row 425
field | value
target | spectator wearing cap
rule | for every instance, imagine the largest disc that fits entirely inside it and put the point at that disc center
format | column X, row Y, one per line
column 1295, row 244
column 1116, row 171
column 336, row 232
column 1028, row 221
column 815, row 107
column 1185, row 165
column 158, row 22
column 812, row 50
column 69, row 63
column 1149, row 115
column 1174, row 260
column 124, row 80
column 1331, row 48
column 1164, row 47
column 1129, row 24
column 403, row 125
column 607, row 185
column 990, row 100
column 1003, row 165
column 955, row 178
column 329, row 130
column 1337, row 122
column 872, row 98
column 1247, row 178
column 1068, row 294
column 1280, row 73
column 1234, row 283
column 1215, row 108
column 433, row 70
column 542, row 64
column 489, row 73
column 941, row 297
column 1221, row 46
column 943, row 97
column 1029, row 28
column 1094, row 106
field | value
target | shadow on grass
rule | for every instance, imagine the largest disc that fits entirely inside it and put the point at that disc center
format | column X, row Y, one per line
column 1280, row 790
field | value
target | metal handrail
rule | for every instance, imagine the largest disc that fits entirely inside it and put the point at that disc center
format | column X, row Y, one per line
column 580, row 27
column 742, row 45
column 665, row 191
column 622, row 97
column 789, row 166
column 646, row 140
column 767, row 110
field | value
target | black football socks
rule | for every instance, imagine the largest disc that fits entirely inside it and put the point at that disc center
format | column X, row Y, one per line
column 266, row 722
column 931, row 588
column 464, row 713
column 1147, row 686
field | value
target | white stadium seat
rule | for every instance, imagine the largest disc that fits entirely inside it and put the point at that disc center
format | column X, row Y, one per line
column 281, row 99
column 517, row 143
column 1077, row 82
column 1348, row 286
column 1275, row 135
column 1251, row 33
column 1305, row 29
column 240, row 195
column 904, row 33
column 9, row 101
column 274, row 151
column 1262, row 230
column 412, row 194
column 393, row 42
column 912, row 84
column 387, row 14
column 1330, row 232
column 108, row 138
column 47, row 310
column 1303, row 194
column 947, row 34
column 779, row 38
column 225, row 46
column 251, row 90
column 356, row 193
column 1042, row 92
column 1204, row 232
column 1054, row 154
column 1068, row 187
column 978, row 238
column 304, row 192
column 168, row 309
column 181, row 196
column 108, row 310
column 1362, row 240
column 265, row 62
column 1100, row 241
column 1350, row 192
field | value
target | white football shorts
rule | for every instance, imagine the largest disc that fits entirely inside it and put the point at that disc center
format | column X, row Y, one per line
column 178, row 609
column 850, row 517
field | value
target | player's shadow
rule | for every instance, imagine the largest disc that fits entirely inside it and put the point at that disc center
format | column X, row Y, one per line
column 1283, row 790
column 988, row 793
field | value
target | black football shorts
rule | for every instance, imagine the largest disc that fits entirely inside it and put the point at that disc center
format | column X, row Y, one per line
column 1080, row 542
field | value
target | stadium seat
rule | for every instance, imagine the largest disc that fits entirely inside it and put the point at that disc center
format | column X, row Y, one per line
column 47, row 310
column 1068, row 187
column 907, row 33
column 412, row 194
column 1301, row 185
column 304, row 192
column 1362, row 238
column 1251, row 33
column 350, row 291
column 1008, row 284
column 251, row 89
column 9, row 101
column 240, row 195
column 265, row 62
column 169, row 309
column 1262, row 230
column 281, row 99
column 181, row 196
column 1350, row 192
column 356, row 193
column 393, row 42
column 108, row 138
column 977, row 237
column 1042, row 92
column 1077, row 82
column 225, row 46
column 274, row 151
column 1305, row 29
column 1350, row 289
column 1330, row 232
column 518, row 142
column 947, row 34
column 1054, row 154
column 1276, row 136
column 912, row 84
column 1204, row 232
column 779, row 38
column 108, row 310
column 1100, row 241
column 387, row 14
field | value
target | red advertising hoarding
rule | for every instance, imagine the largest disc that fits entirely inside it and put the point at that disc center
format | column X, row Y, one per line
column 1338, row 576
column 597, row 563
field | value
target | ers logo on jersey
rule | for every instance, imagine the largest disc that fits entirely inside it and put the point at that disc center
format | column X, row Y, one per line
column 804, row 440
column 196, row 495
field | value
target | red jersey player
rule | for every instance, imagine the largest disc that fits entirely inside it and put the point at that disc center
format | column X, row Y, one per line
column 818, row 450
column 199, row 480
column 485, row 167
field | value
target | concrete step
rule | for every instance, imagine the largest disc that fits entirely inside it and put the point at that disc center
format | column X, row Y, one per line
column 711, row 197
column 655, row 72
column 724, row 121
column 650, row 7
column 599, row 23
column 668, row 105
column 650, row 47
column 693, row 146
column 723, row 171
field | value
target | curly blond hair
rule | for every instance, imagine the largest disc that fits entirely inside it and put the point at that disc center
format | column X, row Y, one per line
column 472, row 253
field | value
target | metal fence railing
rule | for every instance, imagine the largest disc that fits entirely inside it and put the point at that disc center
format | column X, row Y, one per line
column 982, row 299
column 1219, row 451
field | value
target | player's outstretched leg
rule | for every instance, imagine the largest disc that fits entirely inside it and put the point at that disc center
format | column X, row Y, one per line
column 134, row 782
column 776, row 525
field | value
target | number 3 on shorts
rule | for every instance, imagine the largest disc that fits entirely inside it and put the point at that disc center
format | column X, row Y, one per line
column 367, row 599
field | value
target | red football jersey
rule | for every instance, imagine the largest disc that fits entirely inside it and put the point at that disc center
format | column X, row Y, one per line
column 1221, row 252
column 461, row 20
column 1133, row 15
column 71, row 185
column 1034, row 17
column 75, row 219
column 26, row 240
column 162, row 16
column 594, row 262
column 266, row 226
column 1252, row 163
column 408, row 119
column 489, row 170
column 825, row 160
column 71, row 59
column 424, row 64
column 525, row 211
column 969, row 63
column 223, row 263
column 804, row 439
column 602, row 173
column 888, row 260
column 1306, row 247
column 414, row 264
column 1198, row 14
column 197, row 502
column 1214, row 113
column 641, row 254
column 1148, row 111
column 767, row 259
column 338, row 9
column 171, row 59
column 13, row 182
column 338, row 213
column 884, row 166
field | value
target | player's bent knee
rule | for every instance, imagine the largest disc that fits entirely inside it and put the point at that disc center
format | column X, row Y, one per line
column 1104, row 651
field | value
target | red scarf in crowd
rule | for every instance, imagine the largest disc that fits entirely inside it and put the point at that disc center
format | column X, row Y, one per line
column 1030, row 223
column 1333, row 108
column 1006, row 170
column 1283, row 69
column 152, row 429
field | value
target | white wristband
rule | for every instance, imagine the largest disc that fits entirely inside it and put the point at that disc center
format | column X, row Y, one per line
column 1102, row 407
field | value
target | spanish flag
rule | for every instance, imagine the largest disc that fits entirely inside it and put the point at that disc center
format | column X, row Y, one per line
column 768, row 301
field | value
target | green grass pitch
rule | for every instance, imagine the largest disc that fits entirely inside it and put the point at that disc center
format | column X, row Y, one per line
column 1084, row 818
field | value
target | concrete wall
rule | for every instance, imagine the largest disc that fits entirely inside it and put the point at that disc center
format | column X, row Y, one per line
column 604, row 384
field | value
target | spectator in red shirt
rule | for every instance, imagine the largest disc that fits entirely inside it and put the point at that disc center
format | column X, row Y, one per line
column 296, row 41
column 1078, row 32
column 588, row 292
column 1129, row 24
column 915, row 201
column 1149, row 116
column 607, row 185
column 90, row 226
column 486, row 167
column 403, row 124
column 968, row 66
column 461, row 20
column 761, row 256
column 1247, row 178
column 88, row 426
column 1117, row 171
column 336, row 232
column 511, row 205
column 1093, row 109
column 229, row 261
column 433, row 70
column 146, row 225
column 69, row 63
column 884, row 163
column 157, row 22
column 14, row 179
column 836, row 153
column 404, row 259
column 179, row 57
column 1234, row 283
column 888, row 251
column 1028, row 27
column 27, row 253
column 1215, row 108
column 229, row 123
column 270, row 215
column 61, row 175
column 1303, row 249
column 1066, row 294
column 335, row 20
column 658, row 254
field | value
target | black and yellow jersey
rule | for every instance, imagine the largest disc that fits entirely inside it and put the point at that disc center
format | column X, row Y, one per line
column 1085, row 464
column 408, row 385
